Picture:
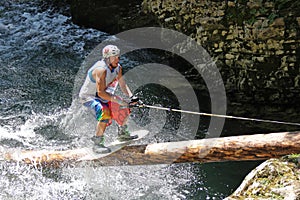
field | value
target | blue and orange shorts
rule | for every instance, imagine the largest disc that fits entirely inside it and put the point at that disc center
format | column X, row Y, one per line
column 106, row 112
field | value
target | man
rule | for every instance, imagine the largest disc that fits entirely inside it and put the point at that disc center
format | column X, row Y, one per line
column 97, row 93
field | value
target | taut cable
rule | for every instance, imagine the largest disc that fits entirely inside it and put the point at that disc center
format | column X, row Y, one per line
column 218, row 115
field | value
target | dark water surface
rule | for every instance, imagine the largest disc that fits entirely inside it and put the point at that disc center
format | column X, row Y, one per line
column 41, row 53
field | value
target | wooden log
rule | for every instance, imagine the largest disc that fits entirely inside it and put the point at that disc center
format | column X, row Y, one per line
column 235, row 148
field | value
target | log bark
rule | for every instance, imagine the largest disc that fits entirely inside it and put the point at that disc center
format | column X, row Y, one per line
column 235, row 148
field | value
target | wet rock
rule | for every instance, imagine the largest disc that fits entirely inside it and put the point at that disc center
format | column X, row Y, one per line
column 278, row 22
column 273, row 179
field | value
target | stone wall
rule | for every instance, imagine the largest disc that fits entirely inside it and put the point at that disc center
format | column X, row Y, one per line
column 256, row 43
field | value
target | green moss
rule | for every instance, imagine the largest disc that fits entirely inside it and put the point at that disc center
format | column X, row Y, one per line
column 272, row 17
column 282, row 4
column 292, row 158
column 241, row 13
column 268, row 181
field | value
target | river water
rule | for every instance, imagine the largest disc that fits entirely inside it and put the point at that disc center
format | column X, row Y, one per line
column 41, row 53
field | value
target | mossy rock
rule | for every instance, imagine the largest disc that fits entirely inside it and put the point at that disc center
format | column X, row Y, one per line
column 273, row 179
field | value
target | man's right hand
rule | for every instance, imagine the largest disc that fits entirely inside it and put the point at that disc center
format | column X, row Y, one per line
column 123, row 104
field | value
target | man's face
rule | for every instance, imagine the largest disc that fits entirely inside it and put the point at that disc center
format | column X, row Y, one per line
column 114, row 60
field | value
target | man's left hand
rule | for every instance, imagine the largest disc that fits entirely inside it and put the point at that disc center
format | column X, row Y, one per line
column 135, row 101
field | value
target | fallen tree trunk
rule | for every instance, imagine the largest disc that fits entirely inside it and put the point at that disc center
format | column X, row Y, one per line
column 235, row 148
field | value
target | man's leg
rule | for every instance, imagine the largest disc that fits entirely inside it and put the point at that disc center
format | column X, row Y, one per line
column 99, row 138
column 101, row 126
column 102, row 111
column 121, row 115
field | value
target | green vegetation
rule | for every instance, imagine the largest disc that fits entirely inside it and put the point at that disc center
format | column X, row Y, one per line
column 285, row 4
column 294, row 158
column 269, row 181
column 240, row 12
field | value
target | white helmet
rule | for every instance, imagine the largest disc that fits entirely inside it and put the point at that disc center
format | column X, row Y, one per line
column 110, row 50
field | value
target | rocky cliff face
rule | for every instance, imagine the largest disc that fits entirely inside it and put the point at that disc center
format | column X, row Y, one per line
column 256, row 43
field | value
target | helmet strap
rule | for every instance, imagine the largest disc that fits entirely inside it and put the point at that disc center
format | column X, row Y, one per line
column 112, row 68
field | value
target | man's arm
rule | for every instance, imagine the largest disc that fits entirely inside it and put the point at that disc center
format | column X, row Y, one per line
column 125, row 89
column 100, row 75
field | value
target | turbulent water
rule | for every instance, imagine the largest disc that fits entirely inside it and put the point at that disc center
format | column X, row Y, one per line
column 41, row 52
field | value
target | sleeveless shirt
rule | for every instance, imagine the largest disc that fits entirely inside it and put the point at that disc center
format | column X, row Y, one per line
column 88, row 90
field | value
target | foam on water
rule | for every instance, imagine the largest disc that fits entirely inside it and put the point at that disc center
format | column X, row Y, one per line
column 38, row 50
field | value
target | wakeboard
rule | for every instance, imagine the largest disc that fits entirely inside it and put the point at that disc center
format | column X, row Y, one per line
column 114, row 146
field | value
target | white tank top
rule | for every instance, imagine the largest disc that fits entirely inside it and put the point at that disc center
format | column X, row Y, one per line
column 88, row 90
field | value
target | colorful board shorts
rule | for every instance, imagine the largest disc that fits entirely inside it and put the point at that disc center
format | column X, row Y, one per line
column 106, row 112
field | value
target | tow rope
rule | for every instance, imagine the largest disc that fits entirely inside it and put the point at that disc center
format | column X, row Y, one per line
column 218, row 115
